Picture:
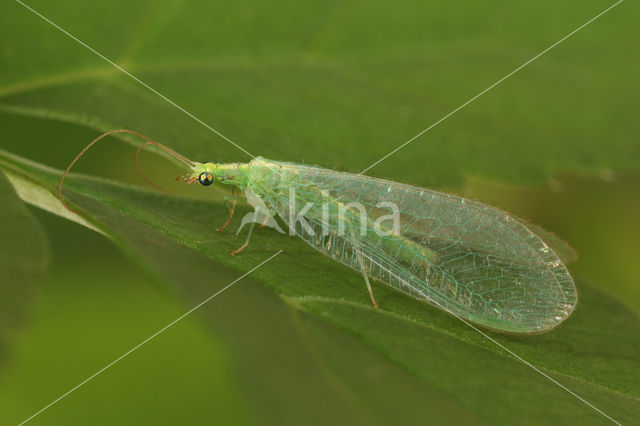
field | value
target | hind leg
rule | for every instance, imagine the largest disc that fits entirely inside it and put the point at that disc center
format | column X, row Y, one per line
column 246, row 242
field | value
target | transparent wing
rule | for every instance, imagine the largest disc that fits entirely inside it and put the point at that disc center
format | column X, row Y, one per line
column 465, row 257
column 565, row 252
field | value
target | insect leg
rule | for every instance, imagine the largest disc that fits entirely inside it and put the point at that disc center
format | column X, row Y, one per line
column 366, row 278
column 246, row 243
column 264, row 222
column 232, row 210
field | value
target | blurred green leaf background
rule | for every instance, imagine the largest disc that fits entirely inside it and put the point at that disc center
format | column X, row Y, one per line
column 338, row 84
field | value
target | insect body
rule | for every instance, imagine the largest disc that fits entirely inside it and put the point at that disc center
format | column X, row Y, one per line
column 463, row 256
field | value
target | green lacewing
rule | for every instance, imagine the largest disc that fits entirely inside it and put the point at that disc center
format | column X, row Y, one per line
column 470, row 259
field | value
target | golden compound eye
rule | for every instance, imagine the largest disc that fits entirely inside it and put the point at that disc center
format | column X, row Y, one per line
column 205, row 178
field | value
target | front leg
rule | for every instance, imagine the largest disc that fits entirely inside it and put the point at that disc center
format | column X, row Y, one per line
column 232, row 210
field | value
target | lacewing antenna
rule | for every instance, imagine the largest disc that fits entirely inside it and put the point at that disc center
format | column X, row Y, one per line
column 148, row 141
column 163, row 147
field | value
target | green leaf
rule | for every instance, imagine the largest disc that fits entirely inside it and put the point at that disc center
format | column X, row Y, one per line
column 342, row 83
column 24, row 256
column 591, row 353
